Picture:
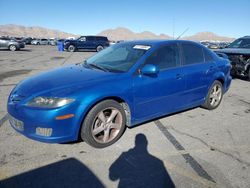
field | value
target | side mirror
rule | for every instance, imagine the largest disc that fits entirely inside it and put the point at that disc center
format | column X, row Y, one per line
column 150, row 69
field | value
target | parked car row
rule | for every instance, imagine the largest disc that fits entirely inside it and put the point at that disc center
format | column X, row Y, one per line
column 11, row 43
column 215, row 45
column 44, row 41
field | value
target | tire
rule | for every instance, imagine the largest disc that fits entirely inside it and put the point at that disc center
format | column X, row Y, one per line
column 249, row 74
column 71, row 48
column 38, row 43
column 100, row 128
column 214, row 96
column 12, row 48
column 99, row 48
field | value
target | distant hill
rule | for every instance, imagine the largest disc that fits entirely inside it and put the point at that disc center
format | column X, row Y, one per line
column 208, row 36
column 39, row 32
column 119, row 33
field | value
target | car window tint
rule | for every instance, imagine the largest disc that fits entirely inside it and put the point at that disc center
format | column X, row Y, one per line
column 207, row 55
column 90, row 38
column 192, row 54
column 165, row 57
column 101, row 38
column 245, row 43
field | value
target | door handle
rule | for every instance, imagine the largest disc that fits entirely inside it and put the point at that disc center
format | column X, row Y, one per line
column 178, row 76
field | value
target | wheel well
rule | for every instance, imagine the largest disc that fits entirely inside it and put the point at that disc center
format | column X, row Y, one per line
column 123, row 104
column 221, row 81
column 117, row 99
column 99, row 45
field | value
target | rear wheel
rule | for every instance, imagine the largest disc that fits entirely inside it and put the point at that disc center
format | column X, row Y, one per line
column 71, row 48
column 99, row 48
column 104, row 124
column 12, row 48
column 214, row 96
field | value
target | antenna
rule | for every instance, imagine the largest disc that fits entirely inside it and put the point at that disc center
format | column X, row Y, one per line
column 182, row 33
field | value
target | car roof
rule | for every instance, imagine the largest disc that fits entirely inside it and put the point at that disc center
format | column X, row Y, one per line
column 93, row 36
column 156, row 42
column 248, row 37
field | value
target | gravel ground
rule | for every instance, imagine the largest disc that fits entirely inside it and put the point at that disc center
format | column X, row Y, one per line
column 194, row 148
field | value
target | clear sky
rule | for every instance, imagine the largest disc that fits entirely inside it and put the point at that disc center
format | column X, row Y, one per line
column 224, row 17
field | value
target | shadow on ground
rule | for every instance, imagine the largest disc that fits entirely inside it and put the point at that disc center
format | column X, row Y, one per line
column 138, row 168
column 66, row 173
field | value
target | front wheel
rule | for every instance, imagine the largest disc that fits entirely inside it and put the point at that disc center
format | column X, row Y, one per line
column 104, row 124
column 12, row 48
column 71, row 48
column 214, row 96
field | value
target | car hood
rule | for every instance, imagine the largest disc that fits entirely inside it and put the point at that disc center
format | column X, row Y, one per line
column 71, row 40
column 235, row 51
column 66, row 79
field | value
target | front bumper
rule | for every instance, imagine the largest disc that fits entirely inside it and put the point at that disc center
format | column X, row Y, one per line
column 42, row 125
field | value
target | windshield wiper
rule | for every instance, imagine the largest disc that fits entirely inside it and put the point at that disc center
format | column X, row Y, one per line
column 98, row 67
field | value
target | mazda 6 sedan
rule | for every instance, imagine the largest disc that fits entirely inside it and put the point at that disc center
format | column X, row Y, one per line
column 123, row 85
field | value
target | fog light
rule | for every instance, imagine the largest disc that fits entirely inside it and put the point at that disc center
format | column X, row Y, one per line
column 44, row 131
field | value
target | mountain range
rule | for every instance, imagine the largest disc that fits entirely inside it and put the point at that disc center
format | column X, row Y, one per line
column 119, row 33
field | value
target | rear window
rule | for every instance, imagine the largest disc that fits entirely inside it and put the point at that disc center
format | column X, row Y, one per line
column 192, row 54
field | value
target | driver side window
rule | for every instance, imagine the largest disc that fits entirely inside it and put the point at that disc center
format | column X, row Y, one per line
column 82, row 39
column 165, row 57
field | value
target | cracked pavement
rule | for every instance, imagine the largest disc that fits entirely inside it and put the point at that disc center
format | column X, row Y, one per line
column 216, row 142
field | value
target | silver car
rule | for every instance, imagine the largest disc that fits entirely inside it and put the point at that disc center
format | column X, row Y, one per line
column 40, row 42
column 11, row 44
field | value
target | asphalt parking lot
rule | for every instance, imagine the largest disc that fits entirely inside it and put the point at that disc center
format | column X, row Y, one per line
column 194, row 148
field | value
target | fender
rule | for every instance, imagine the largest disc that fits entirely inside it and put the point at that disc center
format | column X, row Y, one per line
column 218, row 76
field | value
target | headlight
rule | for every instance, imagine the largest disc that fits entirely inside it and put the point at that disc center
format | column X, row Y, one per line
column 49, row 102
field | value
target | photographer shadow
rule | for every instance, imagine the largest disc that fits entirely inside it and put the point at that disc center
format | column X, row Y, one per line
column 138, row 168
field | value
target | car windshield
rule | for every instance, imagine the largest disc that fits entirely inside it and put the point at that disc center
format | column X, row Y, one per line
column 117, row 58
column 240, row 43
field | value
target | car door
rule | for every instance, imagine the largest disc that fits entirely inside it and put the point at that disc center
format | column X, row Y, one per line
column 3, row 43
column 162, row 93
column 81, row 43
column 90, row 42
column 197, row 72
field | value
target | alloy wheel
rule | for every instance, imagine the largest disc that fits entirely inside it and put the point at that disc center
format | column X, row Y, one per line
column 215, row 95
column 107, row 125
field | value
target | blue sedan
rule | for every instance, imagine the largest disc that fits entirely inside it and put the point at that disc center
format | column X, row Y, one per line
column 122, row 86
